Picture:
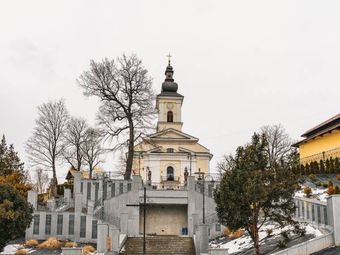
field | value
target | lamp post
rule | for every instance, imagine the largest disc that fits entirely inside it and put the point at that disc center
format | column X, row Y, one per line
column 140, row 155
column 190, row 158
column 201, row 177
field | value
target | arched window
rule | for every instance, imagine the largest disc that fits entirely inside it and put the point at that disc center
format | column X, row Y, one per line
column 170, row 116
column 170, row 173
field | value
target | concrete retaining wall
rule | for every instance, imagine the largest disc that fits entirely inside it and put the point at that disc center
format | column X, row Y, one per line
column 309, row 247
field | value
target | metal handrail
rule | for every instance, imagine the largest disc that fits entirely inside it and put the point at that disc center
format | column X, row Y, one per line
column 321, row 156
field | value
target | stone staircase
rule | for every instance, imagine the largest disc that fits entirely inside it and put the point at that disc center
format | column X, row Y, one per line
column 163, row 245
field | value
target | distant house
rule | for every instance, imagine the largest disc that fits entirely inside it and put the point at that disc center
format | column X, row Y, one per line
column 321, row 142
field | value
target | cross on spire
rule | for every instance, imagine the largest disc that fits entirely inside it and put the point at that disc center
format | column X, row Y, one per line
column 169, row 58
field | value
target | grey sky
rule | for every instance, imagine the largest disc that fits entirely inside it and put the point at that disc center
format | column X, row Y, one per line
column 239, row 64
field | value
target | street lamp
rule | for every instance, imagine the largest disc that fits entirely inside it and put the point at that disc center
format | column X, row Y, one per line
column 140, row 155
column 201, row 177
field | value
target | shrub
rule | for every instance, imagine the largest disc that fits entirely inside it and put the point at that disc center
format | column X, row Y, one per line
column 31, row 243
column 70, row 245
column 51, row 243
column 325, row 185
column 299, row 230
column 330, row 183
column 312, row 177
column 336, row 190
column 88, row 249
column 330, row 190
column 338, row 177
column 269, row 231
column 21, row 252
column 236, row 234
column 285, row 235
column 226, row 232
column 281, row 244
column 307, row 191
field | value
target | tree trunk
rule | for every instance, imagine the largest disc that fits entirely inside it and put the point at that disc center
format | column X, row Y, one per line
column 54, row 181
column 129, row 161
column 257, row 242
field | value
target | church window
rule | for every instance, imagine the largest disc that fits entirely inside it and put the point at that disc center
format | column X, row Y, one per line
column 170, row 116
column 113, row 189
column 89, row 191
column 171, row 150
column 36, row 221
column 170, row 173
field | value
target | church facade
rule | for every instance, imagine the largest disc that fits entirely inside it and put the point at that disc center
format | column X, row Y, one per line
column 167, row 157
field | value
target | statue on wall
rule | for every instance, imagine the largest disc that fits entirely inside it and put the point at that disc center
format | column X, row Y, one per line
column 186, row 174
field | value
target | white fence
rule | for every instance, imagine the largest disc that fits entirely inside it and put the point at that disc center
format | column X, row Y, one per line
column 310, row 246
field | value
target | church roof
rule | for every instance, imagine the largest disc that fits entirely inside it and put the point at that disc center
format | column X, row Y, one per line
column 169, row 86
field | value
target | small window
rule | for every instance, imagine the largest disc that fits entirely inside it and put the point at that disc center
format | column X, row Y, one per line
column 60, row 225
column 48, row 224
column 170, row 174
column 89, row 191
column 129, row 186
column 71, row 224
column 82, row 226
column 170, row 116
column 171, row 150
column 113, row 189
column 36, row 222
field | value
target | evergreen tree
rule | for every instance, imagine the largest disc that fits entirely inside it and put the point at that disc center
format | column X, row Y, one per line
column 267, row 191
column 12, row 169
column 322, row 167
column 307, row 169
column 317, row 168
column 15, row 214
column 327, row 168
column 302, row 170
column 331, row 166
column 337, row 165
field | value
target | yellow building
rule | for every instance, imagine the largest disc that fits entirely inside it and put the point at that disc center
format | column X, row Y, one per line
column 166, row 157
column 321, row 142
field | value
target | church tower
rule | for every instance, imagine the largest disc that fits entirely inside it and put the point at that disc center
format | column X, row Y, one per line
column 169, row 103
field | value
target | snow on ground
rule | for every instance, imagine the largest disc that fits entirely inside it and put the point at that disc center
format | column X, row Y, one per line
column 245, row 242
column 12, row 248
column 317, row 193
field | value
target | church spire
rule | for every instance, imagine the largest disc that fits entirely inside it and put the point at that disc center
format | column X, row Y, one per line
column 169, row 85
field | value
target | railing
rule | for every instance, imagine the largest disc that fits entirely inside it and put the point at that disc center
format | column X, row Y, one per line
column 334, row 153
column 170, row 178
column 167, row 185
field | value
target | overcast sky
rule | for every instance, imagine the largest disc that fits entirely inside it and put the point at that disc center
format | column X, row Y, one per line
column 239, row 64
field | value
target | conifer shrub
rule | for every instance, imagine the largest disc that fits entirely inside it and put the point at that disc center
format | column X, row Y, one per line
column 330, row 190
column 312, row 177
column 281, row 244
column 338, row 177
column 307, row 191
column 299, row 230
column 330, row 183
column 319, row 183
column 70, row 245
column 269, row 231
column 21, row 252
column 322, row 167
column 285, row 235
column 51, row 243
column 337, row 165
column 337, row 190
column 88, row 249
column 31, row 243
column 325, row 184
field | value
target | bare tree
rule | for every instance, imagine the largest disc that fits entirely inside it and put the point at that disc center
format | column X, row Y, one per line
column 125, row 90
column 279, row 148
column 74, row 138
column 45, row 146
column 92, row 150
column 40, row 180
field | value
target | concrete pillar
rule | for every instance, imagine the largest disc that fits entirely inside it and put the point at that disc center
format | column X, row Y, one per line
column 67, row 195
column 137, row 183
column 191, row 183
column 114, row 236
column 51, row 204
column 32, row 198
column 103, row 232
column 124, row 222
column 333, row 205
column 203, row 238
column 77, row 205
column 76, row 182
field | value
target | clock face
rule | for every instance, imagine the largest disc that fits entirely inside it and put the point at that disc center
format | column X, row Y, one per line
column 170, row 106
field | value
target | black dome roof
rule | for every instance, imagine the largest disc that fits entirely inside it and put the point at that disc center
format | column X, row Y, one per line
column 169, row 85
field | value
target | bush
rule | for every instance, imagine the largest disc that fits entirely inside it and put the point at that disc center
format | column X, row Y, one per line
column 325, row 185
column 336, row 190
column 330, row 183
column 281, row 244
column 312, row 177
column 269, row 231
column 285, row 235
column 51, row 243
column 21, row 252
column 31, row 243
column 233, row 234
column 319, row 183
column 338, row 177
column 330, row 190
column 307, row 191
column 70, row 245
column 88, row 249
column 299, row 230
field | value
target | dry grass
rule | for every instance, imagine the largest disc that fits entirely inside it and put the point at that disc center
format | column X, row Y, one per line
column 21, row 252
column 51, row 243
column 88, row 249
column 31, row 243
column 70, row 245
column 233, row 234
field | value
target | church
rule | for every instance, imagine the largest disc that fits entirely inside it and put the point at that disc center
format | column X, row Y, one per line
column 170, row 194
column 167, row 157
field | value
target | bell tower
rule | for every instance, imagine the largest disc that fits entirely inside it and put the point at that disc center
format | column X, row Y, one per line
column 169, row 103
